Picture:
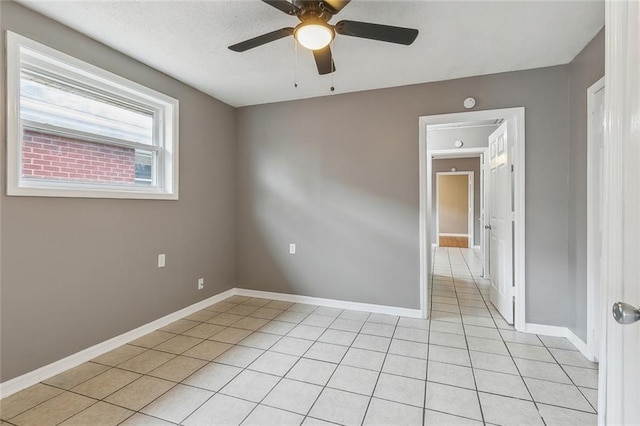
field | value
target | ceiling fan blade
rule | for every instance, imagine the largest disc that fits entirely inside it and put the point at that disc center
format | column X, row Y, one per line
column 378, row 32
column 324, row 60
column 335, row 6
column 284, row 6
column 261, row 39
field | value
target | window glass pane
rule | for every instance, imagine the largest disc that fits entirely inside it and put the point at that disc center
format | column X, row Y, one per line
column 50, row 102
column 144, row 167
column 58, row 158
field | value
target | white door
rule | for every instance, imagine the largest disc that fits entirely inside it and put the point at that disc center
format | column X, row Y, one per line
column 619, row 390
column 500, row 211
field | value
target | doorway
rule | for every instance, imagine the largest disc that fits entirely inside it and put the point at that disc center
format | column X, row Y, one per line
column 454, row 209
column 514, row 152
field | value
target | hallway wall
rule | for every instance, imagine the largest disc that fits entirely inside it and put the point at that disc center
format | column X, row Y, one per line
column 586, row 69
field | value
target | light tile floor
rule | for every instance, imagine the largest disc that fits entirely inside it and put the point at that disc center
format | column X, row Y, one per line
column 260, row 362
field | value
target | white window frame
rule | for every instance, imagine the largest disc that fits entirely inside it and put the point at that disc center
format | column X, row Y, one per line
column 165, row 133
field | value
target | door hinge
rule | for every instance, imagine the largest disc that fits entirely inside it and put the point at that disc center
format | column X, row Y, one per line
column 513, row 216
column 512, row 168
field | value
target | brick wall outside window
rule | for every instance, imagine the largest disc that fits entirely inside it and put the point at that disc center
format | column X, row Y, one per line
column 54, row 157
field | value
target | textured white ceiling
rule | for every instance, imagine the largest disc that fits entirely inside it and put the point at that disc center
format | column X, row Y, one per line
column 188, row 40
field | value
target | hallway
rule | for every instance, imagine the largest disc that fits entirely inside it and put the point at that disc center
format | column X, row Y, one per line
column 518, row 378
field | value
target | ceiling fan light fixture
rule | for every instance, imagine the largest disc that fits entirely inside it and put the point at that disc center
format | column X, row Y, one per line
column 314, row 36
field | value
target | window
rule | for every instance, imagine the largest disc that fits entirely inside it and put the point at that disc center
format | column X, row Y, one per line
column 75, row 130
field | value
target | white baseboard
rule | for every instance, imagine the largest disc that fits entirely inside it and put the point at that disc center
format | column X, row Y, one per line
column 43, row 373
column 331, row 303
column 545, row 330
column 555, row 331
column 580, row 345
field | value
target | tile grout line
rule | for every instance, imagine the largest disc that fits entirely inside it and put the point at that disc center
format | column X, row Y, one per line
column 511, row 356
column 571, row 379
column 426, row 378
column 248, row 365
column 384, row 360
column 334, row 371
column 304, row 416
column 473, row 373
column 317, row 340
column 212, row 361
column 208, row 362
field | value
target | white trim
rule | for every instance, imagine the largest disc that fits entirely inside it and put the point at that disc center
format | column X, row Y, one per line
column 424, row 220
column 22, row 50
column 437, row 127
column 545, row 330
column 518, row 116
column 331, row 303
column 580, row 345
column 29, row 379
column 593, row 222
column 555, row 331
column 445, row 234
column 446, row 154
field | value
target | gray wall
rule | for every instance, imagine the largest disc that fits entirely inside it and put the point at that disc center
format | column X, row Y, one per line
column 453, row 197
column 462, row 165
column 76, row 272
column 339, row 176
column 472, row 137
column 586, row 69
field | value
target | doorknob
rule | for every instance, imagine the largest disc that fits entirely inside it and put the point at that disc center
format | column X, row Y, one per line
column 624, row 313
column 487, row 227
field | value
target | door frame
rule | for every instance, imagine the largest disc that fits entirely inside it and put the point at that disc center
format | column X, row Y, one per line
column 618, row 386
column 593, row 219
column 470, row 201
column 517, row 117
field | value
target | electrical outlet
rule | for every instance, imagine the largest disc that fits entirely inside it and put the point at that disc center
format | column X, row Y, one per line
column 292, row 248
column 200, row 283
column 161, row 260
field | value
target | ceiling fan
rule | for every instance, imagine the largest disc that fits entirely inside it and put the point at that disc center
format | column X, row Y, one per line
column 315, row 33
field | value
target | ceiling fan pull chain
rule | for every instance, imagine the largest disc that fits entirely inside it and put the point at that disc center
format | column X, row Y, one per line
column 333, row 68
column 295, row 68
